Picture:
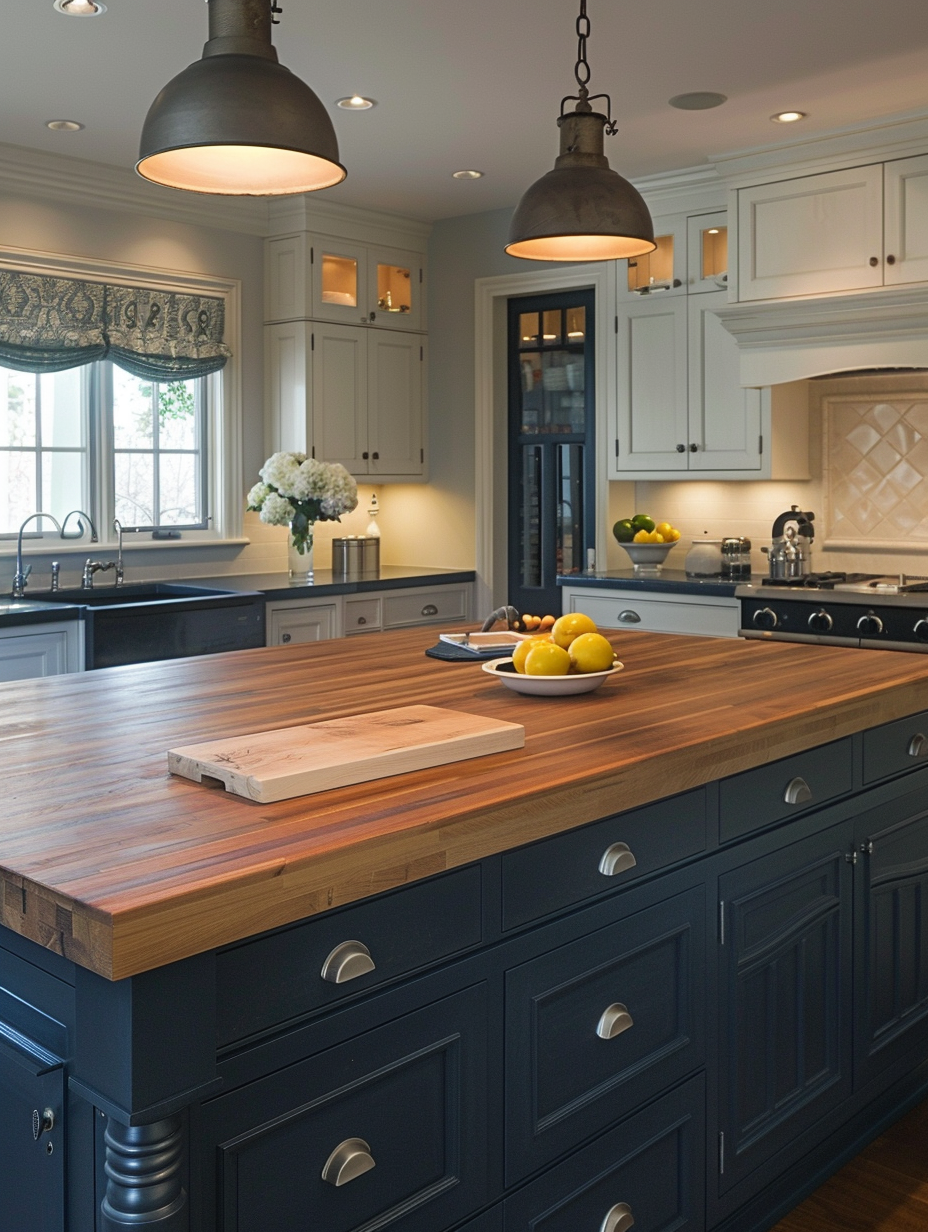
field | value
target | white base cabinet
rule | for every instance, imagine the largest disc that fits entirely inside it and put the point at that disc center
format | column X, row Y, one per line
column 295, row 621
column 647, row 611
column 53, row 649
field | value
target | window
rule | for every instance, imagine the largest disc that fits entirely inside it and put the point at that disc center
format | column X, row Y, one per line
column 101, row 439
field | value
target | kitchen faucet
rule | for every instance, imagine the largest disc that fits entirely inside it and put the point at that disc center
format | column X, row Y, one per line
column 79, row 513
column 19, row 578
column 100, row 566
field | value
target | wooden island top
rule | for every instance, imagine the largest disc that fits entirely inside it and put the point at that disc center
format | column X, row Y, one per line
column 107, row 859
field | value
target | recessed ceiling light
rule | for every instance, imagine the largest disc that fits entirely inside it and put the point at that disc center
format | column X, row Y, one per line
column 64, row 126
column 356, row 102
column 699, row 100
column 788, row 117
column 80, row 8
column 467, row 175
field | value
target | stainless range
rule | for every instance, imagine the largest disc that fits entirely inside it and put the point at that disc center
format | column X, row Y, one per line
column 839, row 609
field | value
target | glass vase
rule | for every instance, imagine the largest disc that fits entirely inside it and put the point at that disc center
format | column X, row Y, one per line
column 300, row 556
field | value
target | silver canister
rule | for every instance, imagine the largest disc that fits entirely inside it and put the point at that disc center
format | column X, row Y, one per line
column 355, row 557
column 736, row 559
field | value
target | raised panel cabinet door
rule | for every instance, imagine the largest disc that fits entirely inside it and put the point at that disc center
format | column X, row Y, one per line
column 784, row 1040
column 285, row 283
column 651, row 404
column 892, row 939
column 724, row 418
column 288, row 416
column 811, row 235
column 395, row 366
column 906, row 188
column 36, row 652
column 296, row 625
column 32, row 1142
column 340, row 395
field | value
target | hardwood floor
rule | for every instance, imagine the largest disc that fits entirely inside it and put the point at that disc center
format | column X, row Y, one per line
column 883, row 1189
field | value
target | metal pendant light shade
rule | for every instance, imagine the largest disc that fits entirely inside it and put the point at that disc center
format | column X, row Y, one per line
column 582, row 210
column 237, row 122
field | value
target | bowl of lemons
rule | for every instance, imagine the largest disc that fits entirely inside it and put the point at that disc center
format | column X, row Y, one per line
column 648, row 543
column 572, row 657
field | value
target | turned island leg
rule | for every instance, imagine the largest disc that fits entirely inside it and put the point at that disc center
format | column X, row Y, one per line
column 144, row 1167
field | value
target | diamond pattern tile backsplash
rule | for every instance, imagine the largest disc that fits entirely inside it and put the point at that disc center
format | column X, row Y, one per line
column 876, row 466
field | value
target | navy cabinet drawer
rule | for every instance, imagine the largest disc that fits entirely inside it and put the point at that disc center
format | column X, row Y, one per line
column 396, row 1116
column 275, row 978
column 565, row 870
column 895, row 747
column 597, row 1026
column 759, row 797
column 652, row 1164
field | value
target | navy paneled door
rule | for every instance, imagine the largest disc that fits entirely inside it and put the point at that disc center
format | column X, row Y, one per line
column 551, row 444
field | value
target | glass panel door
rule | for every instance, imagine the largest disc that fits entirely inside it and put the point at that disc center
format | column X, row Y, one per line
column 551, row 482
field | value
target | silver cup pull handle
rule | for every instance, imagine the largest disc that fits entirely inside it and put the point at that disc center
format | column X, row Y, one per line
column 629, row 617
column 615, row 1019
column 797, row 792
column 618, row 858
column 346, row 962
column 350, row 1159
column 619, row 1219
column 918, row 745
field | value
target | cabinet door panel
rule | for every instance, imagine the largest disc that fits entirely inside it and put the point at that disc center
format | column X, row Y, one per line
column 811, row 235
column 288, row 387
column 906, row 220
column 652, row 386
column 413, row 1091
column 784, row 1037
column 37, row 651
column 566, row 1076
column 339, row 280
column 395, row 403
column 395, row 288
column 311, row 622
column 32, row 1195
column 724, row 418
column 892, row 950
column 340, row 395
column 285, row 287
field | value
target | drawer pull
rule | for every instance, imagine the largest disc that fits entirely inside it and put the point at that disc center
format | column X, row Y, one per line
column 350, row 1159
column 430, row 610
column 797, row 792
column 346, row 962
column 615, row 1019
column 616, row 859
column 619, row 1219
column 285, row 637
column 629, row 617
column 918, row 745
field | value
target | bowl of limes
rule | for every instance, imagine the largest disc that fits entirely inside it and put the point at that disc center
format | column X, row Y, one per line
column 648, row 543
column 572, row 657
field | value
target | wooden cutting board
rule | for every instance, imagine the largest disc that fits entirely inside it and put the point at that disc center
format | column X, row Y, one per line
column 297, row 761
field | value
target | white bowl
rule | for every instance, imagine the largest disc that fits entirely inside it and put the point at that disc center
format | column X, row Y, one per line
column 548, row 686
column 648, row 557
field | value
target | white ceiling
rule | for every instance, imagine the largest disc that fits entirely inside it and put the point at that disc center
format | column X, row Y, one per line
column 478, row 83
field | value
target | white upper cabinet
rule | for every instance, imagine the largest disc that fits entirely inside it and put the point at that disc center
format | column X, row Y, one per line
column 339, row 405
column 906, row 194
column 659, row 273
column 330, row 279
column 651, row 402
column 396, row 363
column 724, row 418
column 809, row 236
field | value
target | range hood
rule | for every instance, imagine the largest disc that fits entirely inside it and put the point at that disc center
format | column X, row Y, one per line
column 793, row 340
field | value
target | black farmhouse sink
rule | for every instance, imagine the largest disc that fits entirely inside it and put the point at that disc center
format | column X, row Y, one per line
column 162, row 620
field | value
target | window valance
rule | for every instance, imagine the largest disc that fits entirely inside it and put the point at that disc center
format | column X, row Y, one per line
column 48, row 324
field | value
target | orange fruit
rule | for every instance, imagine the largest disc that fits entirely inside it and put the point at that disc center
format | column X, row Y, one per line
column 546, row 659
column 518, row 655
column 591, row 652
column 569, row 626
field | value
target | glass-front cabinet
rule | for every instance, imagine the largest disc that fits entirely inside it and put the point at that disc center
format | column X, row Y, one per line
column 707, row 250
column 358, row 284
column 551, row 476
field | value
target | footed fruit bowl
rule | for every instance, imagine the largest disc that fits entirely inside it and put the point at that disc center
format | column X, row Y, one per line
column 648, row 557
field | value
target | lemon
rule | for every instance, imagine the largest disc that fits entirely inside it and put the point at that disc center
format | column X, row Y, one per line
column 664, row 529
column 591, row 652
column 546, row 659
column 518, row 655
column 642, row 536
column 569, row 626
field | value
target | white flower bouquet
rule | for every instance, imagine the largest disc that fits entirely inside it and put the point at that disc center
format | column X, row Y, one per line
column 298, row 491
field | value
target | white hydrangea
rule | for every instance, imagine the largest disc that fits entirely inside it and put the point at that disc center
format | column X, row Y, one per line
column 276, row 510
column 258, row 495
column 281, row 470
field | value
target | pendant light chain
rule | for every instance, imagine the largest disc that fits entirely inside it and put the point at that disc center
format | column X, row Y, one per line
column 582, row 74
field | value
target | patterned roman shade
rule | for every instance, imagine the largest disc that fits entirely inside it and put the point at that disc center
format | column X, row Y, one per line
column 48, row 324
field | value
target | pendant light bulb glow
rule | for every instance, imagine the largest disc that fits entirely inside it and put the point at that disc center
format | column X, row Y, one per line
column 237, row 122
column 582, row 210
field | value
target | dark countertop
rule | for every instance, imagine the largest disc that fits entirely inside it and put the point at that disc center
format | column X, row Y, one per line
column 668, row 581
column 275, row 586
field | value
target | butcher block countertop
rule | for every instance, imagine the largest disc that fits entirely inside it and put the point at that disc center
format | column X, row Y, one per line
column 109, row 860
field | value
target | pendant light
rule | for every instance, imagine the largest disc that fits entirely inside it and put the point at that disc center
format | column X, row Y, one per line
column 582, row 210
column 237, row 122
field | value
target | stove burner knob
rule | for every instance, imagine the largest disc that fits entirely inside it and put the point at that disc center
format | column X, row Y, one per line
column 921, row 630
column 870, row 623
column 820, row 621
column 765, row 618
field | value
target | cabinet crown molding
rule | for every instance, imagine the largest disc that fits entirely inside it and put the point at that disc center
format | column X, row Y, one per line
column 349, row 222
